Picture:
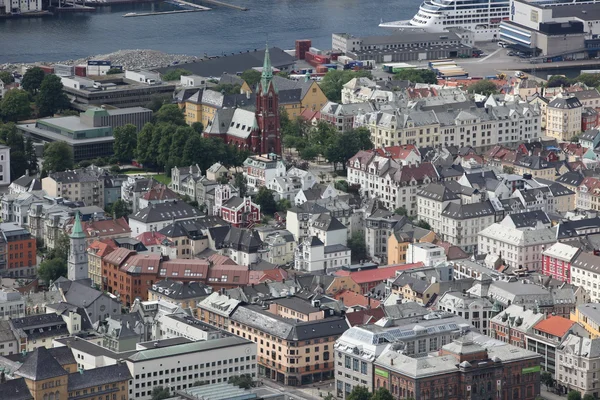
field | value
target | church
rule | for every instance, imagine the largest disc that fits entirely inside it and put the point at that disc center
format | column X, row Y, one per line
column 257, row 131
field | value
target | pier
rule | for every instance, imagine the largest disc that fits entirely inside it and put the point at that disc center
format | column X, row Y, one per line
column 165, row 12
column 188, row 4
column 220, row 3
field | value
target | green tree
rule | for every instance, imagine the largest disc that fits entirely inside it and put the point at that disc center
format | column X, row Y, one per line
column 58, row 156
column 239, row 181
column 264, row 198
column 423, row 224
column 114, row 71
column 546, row 379
column 284, row 205
column 346, row 145
column 574, row 395
column 125, row 142
column 170, row 113
column 243, row 381
column 157, row 101
column 591, row 80
column 178, row 142
column 30, row 154
column 164, row 146
column 508, row 170
column 15, row 105
column 52, row 269
column 589, row 397
column 329, row 397
column 382, row 394
column 198, row 127
column 160, row 393
column 32, row 79
column 358, row 245
column 283, row 74
column 309, row 153
column 251, row 77
column 61, row 248
column 228, row 88
column 194, row 149
column 145, row 153
column 51, row 97
column 175, row 74
column 484, row 87
column 359, row 393
column 334, row 80
column 120, row 208
column 6, row 77
column 416, row 76
column 558, row 80
column 401, row 211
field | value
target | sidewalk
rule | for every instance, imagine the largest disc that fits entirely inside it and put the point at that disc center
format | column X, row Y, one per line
column 549, row 395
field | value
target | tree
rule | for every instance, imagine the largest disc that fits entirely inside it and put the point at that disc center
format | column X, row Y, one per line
column 265, row 199
column 175, row 74
column 309, row 153
column 484, row 87
column 382, row 394
column 61, row 248
column 401, row 211
column 145, row 152
column 198, row 127
column 160, row 393
column 589, row 397
column 359, row 393
column 52, row 269
column 32, row 79
column 30, row 154
column 416, row 76
column 125, row 142
column 358, row 245
column 329, row 397
column 546, row 379
column 170, row 113
column 251, row 77
column 558, row 80
column 51, row 97
column 157, row 101
column 508, row 170
column 591, row 80
column 283, row 205
column 243, row 381
column 574, row 395
column 193, row 150
column 334, row 80
column 228, row 88
column 239, row 181
column 283, row 74
column 178, row 142
column 6, row 77
column 15, row 105
column 114, row 71
column 120, row 208
column 345, row 146
column 424, row 224
column 58, row 156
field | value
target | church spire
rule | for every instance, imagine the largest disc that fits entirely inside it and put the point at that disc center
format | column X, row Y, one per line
column 77, row 231
column 267, row 71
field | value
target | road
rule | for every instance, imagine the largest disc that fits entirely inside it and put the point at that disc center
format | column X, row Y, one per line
column 309, row 392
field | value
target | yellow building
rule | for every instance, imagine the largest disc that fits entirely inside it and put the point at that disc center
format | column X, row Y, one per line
column 563, row 117
column 399, row 240
column 538, row 168
column 588, row 315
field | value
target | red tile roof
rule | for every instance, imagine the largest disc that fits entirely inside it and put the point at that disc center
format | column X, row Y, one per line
column 309, row 114
column 398, row 152
column 102, row 247
column 365, row 317
column 219, row 259
column 118, row 256
column 152, row 238
column 160, row 192
column 351, row 299
column 270, row 275
column 555, row 325
column 376, row 275
column 106, row 227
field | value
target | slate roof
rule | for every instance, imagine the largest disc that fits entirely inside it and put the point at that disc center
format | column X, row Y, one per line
column 99, row 376
column 165, row 211
column 438, row 192
column 574, row 228
column 242, row 239
column 233, row 64
column 529, row 218
column 326, row 222
column 468, row 211
column 15, row 389
column 565, row 103
column 40, row 365
column 571, row 178
column 181, row 290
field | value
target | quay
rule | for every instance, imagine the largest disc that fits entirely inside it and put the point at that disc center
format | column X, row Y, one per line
column 220, row 3
column 188, row 4
column 165, row 12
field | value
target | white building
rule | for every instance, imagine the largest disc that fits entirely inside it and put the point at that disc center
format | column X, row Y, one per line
column 261, row 169
column 427, row 253
column 157, row 216
column 280, row 247
column 12, row 304
column 517, row 247
column 578, row 365
column 313, row 256
column 4, row 165
column 585, row 273
column 21, row 6
column 328, row 229
column 474, row 309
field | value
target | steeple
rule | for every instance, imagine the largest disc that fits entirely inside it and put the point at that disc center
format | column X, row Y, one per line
column 78, row 260
column 77, row 231
column 267, row 71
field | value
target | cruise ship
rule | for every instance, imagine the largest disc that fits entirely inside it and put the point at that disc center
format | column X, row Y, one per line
column 483, row 17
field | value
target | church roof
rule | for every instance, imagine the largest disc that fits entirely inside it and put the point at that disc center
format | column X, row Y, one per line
column 77, row 232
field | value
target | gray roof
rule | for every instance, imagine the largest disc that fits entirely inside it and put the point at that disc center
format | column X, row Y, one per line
column 529, row 218
column 98, row 376
column 171, row 210
column 15, row 389
column 288, row 329
column 573, row 228
column 78, row 175
column 326, row 222
column 577, row 345
column 333, row 248
column 186, row 348
column 297, row 304
column 82, row 295
column 571, row 178
column 468, row 211
column 438, row 192
column 242, row 239
column 40, row 365
column 181, row 290
column 565, row 103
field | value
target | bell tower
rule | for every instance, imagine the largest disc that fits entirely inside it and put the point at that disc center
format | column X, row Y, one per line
column 78, row 260
column 268, row 137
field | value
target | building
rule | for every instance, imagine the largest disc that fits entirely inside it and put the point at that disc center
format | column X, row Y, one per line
column 78, row 261
column 427, row 253
column 563, row 119
column 584, row 273
column 236, row 211
column 557, row 261
column 578, row 365
column 402, row 237
column 183, row 294
column 5, row 178
column 259, row 170
column 157, row 216
column 368, row 279
column 40, row 330
column 90, row 135
column 588, row 316
column 341, row 116
column 477, row 311
column 18, row 251
column 312, row 255
column 76, row 185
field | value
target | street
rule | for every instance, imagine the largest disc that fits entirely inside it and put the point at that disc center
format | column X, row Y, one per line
column 308, row 392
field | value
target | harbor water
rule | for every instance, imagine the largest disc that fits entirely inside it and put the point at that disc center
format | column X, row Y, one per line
column 76, row 35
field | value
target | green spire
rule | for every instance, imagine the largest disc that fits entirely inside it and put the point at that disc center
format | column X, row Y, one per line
column 77, row 232
column 267, row 71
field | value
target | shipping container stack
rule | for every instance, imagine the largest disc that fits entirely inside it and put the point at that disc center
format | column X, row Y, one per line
column 302, row 46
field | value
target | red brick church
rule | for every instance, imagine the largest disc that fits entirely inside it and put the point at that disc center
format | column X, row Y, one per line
column 258, row 130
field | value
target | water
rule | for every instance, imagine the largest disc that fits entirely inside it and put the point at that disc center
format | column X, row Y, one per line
column 71, row 36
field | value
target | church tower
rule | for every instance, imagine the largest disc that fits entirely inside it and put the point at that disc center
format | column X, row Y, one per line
column 267, row 139
column 78, row 260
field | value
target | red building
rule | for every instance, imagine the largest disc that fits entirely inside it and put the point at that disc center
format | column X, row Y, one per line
column 257, row 131
column 557, row 260
column 237, row 211
column 368, row 279
column 20, row 251
column 589, row 119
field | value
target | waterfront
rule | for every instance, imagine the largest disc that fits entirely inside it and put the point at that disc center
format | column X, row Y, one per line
column 72, row 36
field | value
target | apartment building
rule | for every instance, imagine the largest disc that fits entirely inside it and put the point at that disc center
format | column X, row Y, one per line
column 392, row 183
column 588, row 316
column 76, row 185
column 511, row 325
column 18, row 256
column 585, row 272
column 261, row 169
column 557, row 261
column 563, row 117
column 477, row 311
column 578, row 365
column 12, row 304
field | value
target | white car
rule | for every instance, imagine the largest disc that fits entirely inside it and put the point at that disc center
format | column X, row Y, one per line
column 501, row 44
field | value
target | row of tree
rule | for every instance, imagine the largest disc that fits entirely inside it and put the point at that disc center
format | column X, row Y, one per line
column 22, row 152
column 45, row 92
column 323, row 140
column 591, row 80
column 168, row 142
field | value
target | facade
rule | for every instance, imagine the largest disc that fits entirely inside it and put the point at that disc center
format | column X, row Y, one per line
column 578, row 365
column 78, row 261
column 96, row 252
column 427, row 253
column 563, row 119
column 312, row 255
column 76, row 185
column 183, row 294
column 588, row 316
column 584, row 273
column 18, row 254
column 259, row 170
column 157, row 216
column 511, row 325
column 557, row 261
column 477, row 311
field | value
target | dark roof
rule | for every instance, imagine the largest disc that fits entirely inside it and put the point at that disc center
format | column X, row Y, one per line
column 15, row 389
column 286, row 328
column 572, row 178
column 33, row 321
column 590, row 135
column 181, row 290
column 568, row 229
column 40, row 365
column 566, row 103
column 333, row 248
column 98, row 376
column 218, row 234
column 81, row 295
column 242, row 239
column 438, row 192
column 234, row 64
column 467, row 211
column 315, row 241
column 166, row 211
column 326, row 222
column 192, row 228
column 297, row 304
column 309, row 207
column 529, row 219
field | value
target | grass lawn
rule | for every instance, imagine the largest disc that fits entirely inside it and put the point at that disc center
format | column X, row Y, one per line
column 162, row 178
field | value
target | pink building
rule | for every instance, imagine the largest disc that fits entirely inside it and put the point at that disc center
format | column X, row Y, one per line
column 557, row 259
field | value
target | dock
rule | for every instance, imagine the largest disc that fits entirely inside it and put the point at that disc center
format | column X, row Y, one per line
column 188, row 4
column 165, row 12
column 220, row 3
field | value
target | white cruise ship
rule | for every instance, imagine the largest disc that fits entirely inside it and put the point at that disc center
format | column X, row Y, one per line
column 480, row 16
